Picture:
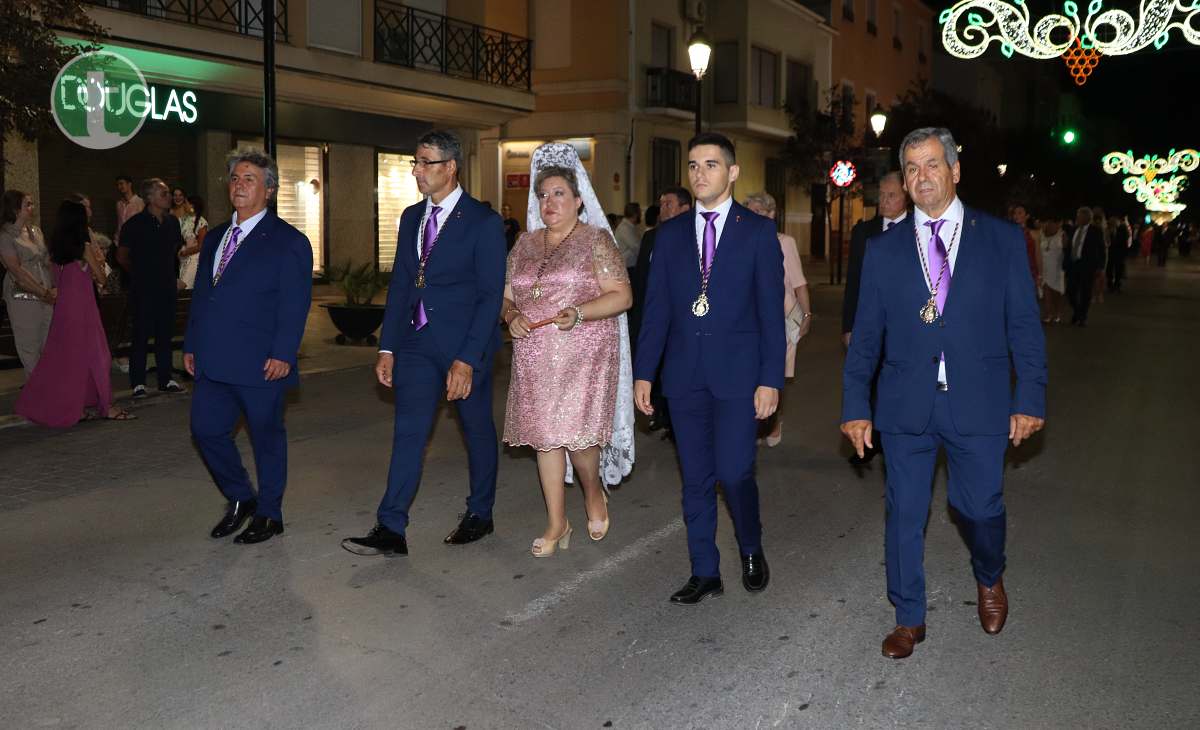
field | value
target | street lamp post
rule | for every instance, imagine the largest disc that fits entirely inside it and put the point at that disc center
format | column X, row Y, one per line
column 699, row 53
column 268, row 16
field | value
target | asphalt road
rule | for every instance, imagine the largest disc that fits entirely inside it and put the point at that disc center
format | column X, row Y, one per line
column 117, row 610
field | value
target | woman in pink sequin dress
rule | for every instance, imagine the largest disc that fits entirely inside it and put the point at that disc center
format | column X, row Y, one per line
column 563, row 392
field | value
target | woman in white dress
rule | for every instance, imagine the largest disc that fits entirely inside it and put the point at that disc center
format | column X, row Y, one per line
column 190, row 212
column 1053, row 281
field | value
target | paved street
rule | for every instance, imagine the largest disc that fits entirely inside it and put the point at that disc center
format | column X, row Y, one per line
column 119, row 612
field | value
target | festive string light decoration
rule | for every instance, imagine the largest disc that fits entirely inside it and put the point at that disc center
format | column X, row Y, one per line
column 970, row 26
column 1147, row 178
column 843, row 173
column 1081, row 62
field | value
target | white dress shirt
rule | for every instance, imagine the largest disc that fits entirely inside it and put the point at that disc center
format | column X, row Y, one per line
column 447, row 205
column 1077, row 243
column 246, row 227
column 951, row 233
column 723, row 215
column 893, row 221
column 629, row 241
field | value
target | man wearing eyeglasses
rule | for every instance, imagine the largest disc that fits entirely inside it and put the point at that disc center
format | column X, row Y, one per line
column 439, row 335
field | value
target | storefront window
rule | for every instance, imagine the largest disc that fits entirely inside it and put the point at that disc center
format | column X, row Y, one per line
column 396, row 189
column 301, row 196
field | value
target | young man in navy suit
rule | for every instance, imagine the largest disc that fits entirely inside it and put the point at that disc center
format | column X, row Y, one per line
column 440, row 332
column 948, row 303
column 712, row 318
column 253, row 291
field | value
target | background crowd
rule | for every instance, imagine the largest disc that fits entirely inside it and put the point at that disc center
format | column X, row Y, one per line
column 144, row 263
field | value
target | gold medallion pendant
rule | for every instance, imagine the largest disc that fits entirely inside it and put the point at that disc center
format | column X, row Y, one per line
column 929, row 312
column 421, row 280
column 537, row 291
column 700, row 306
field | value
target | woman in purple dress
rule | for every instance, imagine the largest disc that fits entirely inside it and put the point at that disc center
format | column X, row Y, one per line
column 563, row 397
column 71, row 381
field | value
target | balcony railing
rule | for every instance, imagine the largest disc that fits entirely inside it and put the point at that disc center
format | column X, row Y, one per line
column 235, row 16
column 418, row 39
column 670, row 89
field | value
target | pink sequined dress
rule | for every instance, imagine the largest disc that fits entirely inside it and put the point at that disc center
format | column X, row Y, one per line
column 564, row 384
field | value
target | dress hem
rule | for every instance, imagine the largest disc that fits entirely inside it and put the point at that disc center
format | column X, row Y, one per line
column 572, row 446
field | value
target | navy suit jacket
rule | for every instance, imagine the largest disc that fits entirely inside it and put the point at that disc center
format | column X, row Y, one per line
column 991, row 327
column 740, row 344
column 258, row 310
column 464, row 278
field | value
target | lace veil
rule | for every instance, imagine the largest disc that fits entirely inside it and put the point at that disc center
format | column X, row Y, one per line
column 616, row 459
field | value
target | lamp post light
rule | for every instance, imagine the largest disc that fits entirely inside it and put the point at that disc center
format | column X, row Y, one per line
column 879, row 120
column 699, row 54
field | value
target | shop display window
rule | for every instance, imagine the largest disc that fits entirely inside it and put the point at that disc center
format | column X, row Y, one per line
column 395, row 190
column 301, row 196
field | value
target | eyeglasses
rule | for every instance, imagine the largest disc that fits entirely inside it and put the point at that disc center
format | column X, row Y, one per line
column 424, row 164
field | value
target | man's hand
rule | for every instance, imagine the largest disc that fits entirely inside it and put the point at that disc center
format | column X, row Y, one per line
column 859, row 433
column 766, row 400
column 846, row 340
column 189, row 363
column 276, row 369
column 458, row 381
column 383, row 368
column 641, row 396
column 1021, row 427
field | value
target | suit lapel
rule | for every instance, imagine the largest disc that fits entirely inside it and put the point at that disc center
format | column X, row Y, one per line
column 968, row 251
column 253, row 246
column 728, row 241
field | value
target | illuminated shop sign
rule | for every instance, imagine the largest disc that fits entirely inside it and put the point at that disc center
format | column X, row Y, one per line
column 100, row 100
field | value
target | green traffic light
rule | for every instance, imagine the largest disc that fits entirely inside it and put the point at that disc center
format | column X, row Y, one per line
column 1068, row 137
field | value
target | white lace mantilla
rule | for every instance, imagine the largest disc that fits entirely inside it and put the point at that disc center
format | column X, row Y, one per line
column 616, row 459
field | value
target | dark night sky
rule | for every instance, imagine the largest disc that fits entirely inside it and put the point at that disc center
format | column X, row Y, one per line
column 1147, row 102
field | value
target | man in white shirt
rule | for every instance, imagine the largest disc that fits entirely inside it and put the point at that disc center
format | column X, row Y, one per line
column 629, row 235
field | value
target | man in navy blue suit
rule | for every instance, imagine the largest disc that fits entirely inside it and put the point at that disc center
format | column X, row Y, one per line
column 712, row 318
column 949, row 305
column 440, row 333
column 247, row 316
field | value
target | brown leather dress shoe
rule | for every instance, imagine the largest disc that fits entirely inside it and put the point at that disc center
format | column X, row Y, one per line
column 993, row 607
column 900, row 642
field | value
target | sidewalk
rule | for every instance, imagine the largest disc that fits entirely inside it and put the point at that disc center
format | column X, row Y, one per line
column 318, row 354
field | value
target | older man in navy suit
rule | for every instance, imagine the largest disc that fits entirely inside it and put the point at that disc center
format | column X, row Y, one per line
column 251, row 301
column 712, row 318
column 948, row 303
column 440, row 333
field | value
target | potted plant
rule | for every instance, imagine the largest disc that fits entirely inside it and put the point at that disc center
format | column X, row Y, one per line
column 358, row 318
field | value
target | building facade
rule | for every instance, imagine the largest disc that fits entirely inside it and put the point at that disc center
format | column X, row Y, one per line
column 357, row 82
column 614, row 79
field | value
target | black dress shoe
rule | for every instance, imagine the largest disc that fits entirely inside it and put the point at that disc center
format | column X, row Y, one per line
column 655, row 423
column 235, row 516
column 379, row 541
column 261, row 529
column 470, row 529
column 696, row 590
column 755, row 572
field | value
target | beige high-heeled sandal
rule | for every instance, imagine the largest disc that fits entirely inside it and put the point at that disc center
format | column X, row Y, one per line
column 543, row 549
column 598, row 527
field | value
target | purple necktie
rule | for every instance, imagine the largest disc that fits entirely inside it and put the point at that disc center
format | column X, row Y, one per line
column 230, row 248
column 710, row 242
column 420, row 319
column 937, row 257
column 889, row 225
